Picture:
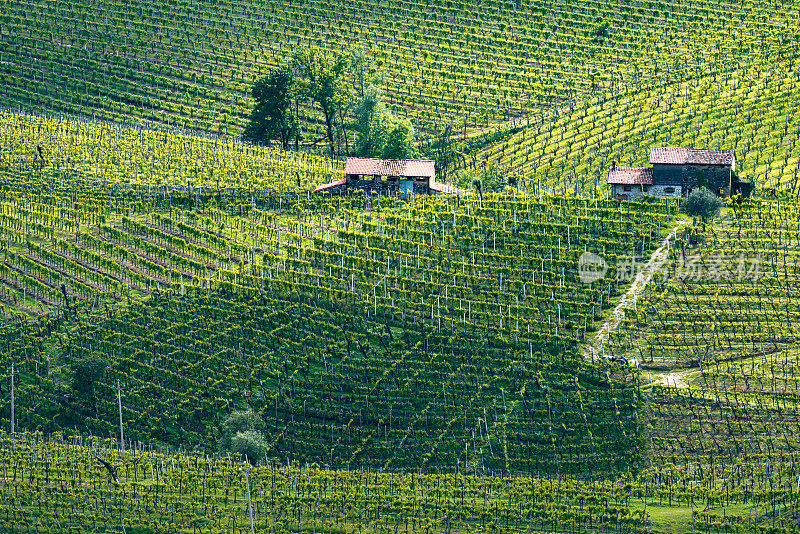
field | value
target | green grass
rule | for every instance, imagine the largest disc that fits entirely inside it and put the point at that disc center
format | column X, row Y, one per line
column 669, row 519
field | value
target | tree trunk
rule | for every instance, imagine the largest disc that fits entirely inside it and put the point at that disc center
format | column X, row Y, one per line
column 329, row 125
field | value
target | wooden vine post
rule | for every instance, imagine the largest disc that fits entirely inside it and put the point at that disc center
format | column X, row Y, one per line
column 13, row 403
column 249, row 502
column 119, row 405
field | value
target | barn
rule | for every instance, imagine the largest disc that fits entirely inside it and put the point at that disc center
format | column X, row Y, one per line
column 675, row 172
column 388, row 177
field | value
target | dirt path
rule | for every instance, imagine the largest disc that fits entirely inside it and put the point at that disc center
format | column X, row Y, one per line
column 676, row 379
column 644, row 275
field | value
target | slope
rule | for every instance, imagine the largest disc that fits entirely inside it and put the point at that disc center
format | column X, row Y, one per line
column 371, row 331
column 751, row 108
column 465, row 62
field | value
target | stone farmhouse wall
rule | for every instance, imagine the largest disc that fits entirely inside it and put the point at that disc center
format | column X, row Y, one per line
column 718, row 177
column 378, row 187
column 660, row 191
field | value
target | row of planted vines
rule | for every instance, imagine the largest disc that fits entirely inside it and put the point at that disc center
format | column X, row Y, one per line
column 68, row 154
column 437, row 332
column 724, row 294
column 56, row 483
column 716, row 329
column 752, row 110
column 469, row 63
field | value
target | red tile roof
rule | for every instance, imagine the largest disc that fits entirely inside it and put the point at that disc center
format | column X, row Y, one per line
column 390, row 167
column 332, row 184
column 631, row 175
column 691, row 156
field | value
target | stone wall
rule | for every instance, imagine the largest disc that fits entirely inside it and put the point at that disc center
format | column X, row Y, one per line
column 659, row 191
column 379, row 187
column 633, row 194
column 717, row 176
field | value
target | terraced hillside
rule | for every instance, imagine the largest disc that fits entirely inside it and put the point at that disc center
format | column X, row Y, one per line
column 751, row 108
column 466, row 62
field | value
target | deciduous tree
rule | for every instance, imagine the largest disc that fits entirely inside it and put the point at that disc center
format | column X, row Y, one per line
column 272, row 117
column 321, row 73
column 400, row 142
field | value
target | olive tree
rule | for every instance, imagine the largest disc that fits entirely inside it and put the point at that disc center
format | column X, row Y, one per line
column 702, row 204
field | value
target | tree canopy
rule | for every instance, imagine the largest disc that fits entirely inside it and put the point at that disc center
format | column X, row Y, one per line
column 272, row 117
column 400, row 142
column 242, row 433
column 373, row 123
column 381, row 134
column 86, row 372
column 703, row 204
column 320, row 80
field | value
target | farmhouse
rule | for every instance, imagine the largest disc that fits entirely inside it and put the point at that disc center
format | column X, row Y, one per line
column 675, row 172
column 388, row 177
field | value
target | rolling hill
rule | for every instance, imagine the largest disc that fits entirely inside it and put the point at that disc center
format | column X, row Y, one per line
column 417, row 365
column 365, row 331
column 471, row 63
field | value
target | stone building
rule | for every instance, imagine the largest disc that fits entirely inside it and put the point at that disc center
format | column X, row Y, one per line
column 675, row 172
column 388, row 177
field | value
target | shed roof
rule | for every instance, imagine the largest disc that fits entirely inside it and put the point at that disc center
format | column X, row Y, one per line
column 390, row 167
column 631, row 175
column 330, row 185
column 691, row 156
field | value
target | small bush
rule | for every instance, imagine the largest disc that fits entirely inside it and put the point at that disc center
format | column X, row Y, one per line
column 242, row 433
column 250, row 443
column 86, row 372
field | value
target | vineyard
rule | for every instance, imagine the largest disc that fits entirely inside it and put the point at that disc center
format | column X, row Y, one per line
column 725, row 295
column 417, row 365
column 717, row 330
column 469, row 63
column 367, row 332
column 61, row 153
column 430, row 365
column 752, row 109
column 59, row 484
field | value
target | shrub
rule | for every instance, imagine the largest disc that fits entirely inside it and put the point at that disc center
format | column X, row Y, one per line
column 86, row 372
column 242, row 434
column 250, row 443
